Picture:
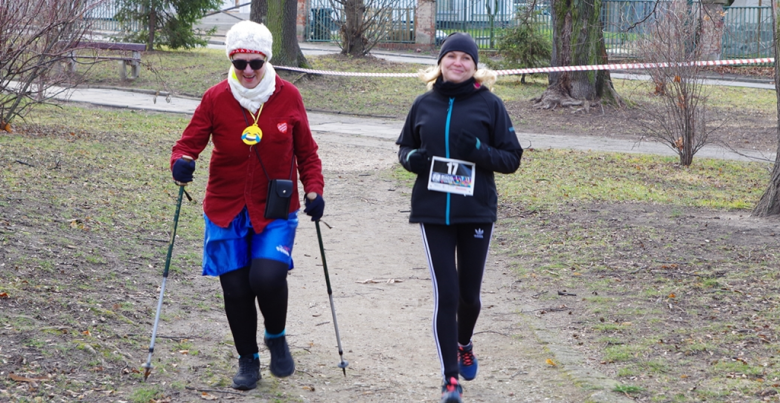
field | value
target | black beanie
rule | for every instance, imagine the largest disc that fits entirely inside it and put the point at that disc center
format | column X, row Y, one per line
column 462, row 42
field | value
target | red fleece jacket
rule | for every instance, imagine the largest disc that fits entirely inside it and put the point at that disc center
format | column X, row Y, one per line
column 236, row 177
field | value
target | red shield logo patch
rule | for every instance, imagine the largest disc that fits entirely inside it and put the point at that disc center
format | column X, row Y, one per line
column 282, row 127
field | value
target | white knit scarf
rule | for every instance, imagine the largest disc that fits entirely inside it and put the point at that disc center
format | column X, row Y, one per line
column 252, row 98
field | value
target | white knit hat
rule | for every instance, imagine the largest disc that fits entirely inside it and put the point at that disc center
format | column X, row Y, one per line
column 249, row 37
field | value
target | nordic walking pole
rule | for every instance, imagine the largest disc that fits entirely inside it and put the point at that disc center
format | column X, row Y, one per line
column 343, row 364
column 148, row 365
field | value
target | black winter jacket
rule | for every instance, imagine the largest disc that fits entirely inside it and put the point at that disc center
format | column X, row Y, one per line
column 434, row 124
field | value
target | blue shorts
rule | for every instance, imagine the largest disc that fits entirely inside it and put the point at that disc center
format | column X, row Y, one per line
column 234, row 247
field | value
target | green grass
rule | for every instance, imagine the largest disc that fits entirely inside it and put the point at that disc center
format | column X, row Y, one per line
column 628, row 389
column 729, row 98
column 146, row 394
column 550, row 178
column 99, row 159
column 189, row 72
column 379, row 96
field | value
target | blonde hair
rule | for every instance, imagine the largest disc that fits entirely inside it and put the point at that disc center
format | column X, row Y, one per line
column 484, row 77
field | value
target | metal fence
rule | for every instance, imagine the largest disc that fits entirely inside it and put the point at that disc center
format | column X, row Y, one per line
column 103, row 17
column 394, row 20
column 747, row 31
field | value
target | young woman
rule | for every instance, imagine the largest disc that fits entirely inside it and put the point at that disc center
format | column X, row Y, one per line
column 455, row 137
column 262, row 142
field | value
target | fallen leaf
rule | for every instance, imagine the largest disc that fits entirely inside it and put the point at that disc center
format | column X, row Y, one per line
column 551, row 362
column 206, row 396
column 18, row 378
column 672, row 295
column 3, row 295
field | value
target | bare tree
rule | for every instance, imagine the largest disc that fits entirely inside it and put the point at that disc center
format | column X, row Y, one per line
column 366, row 22
column 769, row 204
column 678, row 116
column 36, row 37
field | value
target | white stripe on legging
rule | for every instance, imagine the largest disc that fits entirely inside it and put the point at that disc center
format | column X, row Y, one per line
column 435, row 297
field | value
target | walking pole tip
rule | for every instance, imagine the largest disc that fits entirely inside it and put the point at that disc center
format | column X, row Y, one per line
column 343, row 365
column 147, row 371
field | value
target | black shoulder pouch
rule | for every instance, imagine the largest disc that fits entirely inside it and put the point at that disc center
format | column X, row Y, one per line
column 280, row 191
column 277, row 202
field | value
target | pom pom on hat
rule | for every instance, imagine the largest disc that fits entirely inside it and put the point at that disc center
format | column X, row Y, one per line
column 249, row 37
column 461, row 42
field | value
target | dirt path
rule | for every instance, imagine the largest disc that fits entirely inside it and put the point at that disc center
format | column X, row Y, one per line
column 383, row 298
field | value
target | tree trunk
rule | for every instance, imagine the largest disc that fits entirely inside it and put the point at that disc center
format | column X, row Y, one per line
column 258, row 11
column 152, row 26
column 285, row 48
column 577, row 40
column 352, row 30
column 769, row 204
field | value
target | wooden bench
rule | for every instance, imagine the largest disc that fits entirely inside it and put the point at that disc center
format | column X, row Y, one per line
column 133, row 59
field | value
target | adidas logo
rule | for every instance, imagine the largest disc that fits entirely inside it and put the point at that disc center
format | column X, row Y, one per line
column 478, row 233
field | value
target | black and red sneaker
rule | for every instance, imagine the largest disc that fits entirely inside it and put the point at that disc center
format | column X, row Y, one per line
column 451, row 391
column 467, row 362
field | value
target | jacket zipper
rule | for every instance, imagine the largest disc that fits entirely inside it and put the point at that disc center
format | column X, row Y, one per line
column 447, row 154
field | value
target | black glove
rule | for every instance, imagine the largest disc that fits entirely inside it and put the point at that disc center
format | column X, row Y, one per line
column 419, row 162
column 466, row 144
column 183, row 169
column 315, row 208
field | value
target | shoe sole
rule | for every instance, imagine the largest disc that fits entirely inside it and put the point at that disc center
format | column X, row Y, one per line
column 468, row 379
column 244, row 387
column 451, row 399
column 283, row 375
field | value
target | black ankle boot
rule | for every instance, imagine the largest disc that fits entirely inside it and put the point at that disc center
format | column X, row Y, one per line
column 282, row 363
column 248, row 373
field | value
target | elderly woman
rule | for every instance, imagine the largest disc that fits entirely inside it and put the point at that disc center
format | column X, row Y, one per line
column 455, row 137
column 262, row 143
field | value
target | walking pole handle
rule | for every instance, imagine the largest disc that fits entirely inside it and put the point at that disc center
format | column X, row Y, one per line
column 188, row 158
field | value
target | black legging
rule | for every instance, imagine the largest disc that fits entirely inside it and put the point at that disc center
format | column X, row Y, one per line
column 265, row 280
column 456, row 288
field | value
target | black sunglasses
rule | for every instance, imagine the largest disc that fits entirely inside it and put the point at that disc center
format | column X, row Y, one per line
column 255, row 64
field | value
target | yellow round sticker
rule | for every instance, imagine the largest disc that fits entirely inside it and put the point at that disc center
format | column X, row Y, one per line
column 252, row 135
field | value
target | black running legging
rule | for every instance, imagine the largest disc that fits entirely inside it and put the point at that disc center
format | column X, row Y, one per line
column 456, row 287
column 266, row 281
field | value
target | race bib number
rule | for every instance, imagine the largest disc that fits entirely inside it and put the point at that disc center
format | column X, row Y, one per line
column 452, row 176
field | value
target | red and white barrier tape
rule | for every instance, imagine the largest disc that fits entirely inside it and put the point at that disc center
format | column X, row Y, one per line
column 630, row 66
column 344, row 73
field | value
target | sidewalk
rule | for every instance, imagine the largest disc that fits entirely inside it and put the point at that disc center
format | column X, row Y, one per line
column 389, row 129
